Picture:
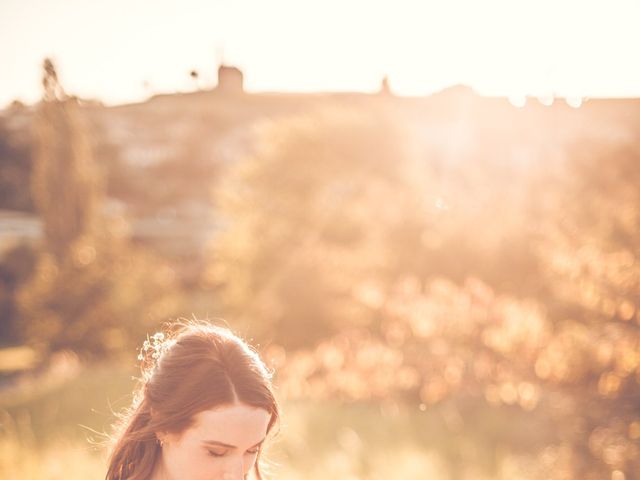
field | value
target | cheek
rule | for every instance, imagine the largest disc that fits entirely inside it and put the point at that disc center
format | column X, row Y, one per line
column 247, row 463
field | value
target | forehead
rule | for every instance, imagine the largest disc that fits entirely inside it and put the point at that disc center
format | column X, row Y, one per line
column 240, row 425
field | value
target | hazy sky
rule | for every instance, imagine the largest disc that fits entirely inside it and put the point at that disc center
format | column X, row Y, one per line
column 125, row 50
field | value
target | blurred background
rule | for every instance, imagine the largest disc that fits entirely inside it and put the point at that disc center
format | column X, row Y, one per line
column 426, row 216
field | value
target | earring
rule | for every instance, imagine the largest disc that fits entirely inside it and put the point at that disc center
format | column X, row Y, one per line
column 160, row 442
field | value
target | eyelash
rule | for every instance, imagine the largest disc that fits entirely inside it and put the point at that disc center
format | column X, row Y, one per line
column 214, row 454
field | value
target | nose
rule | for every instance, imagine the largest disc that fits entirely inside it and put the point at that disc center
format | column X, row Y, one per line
column 234, row 471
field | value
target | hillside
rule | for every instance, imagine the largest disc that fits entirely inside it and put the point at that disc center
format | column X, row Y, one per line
column 162, row 158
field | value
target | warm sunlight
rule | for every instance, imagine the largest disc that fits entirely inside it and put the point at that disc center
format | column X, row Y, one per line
column 361, row 239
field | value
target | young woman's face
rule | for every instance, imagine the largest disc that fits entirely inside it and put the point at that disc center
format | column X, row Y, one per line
column 222, row 444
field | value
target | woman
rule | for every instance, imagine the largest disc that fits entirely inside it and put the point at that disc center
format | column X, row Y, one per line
column 203, row 410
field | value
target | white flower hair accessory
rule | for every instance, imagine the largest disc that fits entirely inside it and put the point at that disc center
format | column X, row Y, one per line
column 152, row 349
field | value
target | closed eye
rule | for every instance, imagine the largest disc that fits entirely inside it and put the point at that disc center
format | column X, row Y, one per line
column 216, row 454
column 226, row 448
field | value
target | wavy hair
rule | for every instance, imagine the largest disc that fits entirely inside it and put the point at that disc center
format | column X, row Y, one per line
column 195, row 368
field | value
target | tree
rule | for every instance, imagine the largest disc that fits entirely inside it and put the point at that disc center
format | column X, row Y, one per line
column 194, row 76
column 65, row 181
column 90, row 291
column 298, row 209
column 592, row 246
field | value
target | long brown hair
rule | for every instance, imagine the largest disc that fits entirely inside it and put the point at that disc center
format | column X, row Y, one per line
column 192, row 367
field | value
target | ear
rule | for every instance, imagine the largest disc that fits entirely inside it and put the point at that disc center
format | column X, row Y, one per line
column 166, row 437
column 161, row 438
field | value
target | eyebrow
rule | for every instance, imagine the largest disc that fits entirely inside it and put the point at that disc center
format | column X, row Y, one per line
column 226, row 445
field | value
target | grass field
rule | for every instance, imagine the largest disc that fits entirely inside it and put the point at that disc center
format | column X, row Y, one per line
column 54, row 426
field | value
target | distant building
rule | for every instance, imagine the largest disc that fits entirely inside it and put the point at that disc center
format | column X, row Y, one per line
column 230, row 79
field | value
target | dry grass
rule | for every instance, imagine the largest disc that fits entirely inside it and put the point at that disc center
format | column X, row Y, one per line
column 54, row 427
